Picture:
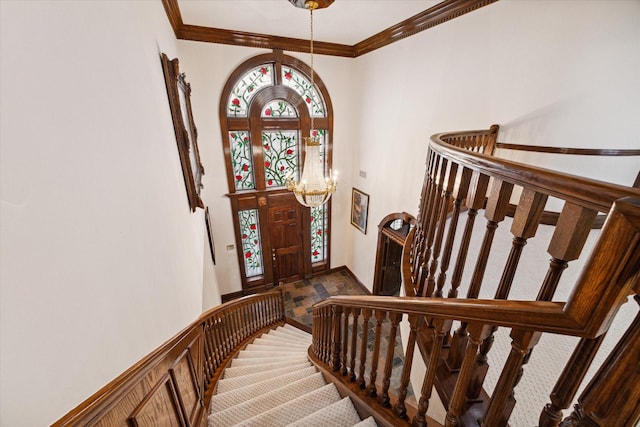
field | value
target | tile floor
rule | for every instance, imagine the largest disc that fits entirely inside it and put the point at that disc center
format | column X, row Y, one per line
column 300, row 296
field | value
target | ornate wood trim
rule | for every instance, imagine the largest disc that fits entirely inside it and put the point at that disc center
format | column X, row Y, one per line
column 438, row 14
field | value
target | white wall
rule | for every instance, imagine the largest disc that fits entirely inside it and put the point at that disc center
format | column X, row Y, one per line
column 208, row 67
column 560, row 73
column 102, row 260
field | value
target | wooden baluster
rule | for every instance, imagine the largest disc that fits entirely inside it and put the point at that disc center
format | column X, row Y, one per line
column 477, row 333
column 495, row 213
column 336, row 314
column 612, row 397
column 395, row 319
column 440, row 329
column 217, row 341
column 416, row 249
column 569, row 381
column 354, row 343
column 314, row 333
column 452, row 174
column 475, row 201
column 345, row 340
column 525, row 224
column 569, row 237
column 496, row 210
column 523, row 342
column 366, row 315
column 373, row 373
column 415, row 322
column 460, row 193
column 433, row 216
column 326, row 335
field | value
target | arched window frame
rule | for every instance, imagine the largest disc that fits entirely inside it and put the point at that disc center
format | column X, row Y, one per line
column 251, row 199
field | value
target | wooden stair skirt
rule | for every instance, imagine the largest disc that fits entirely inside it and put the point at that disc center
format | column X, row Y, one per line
column 174, row 384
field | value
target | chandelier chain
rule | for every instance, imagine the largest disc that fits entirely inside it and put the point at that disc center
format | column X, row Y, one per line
column 312, row 72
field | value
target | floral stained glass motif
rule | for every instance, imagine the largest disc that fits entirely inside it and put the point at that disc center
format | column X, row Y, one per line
column 279, row 108
column 242, row 160
column 251, row 244
column 246, row 88
column 300, row 84
column 280, row 150
column 318, row 233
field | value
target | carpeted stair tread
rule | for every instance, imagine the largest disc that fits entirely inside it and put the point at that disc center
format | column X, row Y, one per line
column 252, row 354
column 295, row 409
column 227, row 384
column 284, row 334
column 239, row 371
column 291, row 333
column 264, row 403
column 258, row 361
column 280, row 340
column 224, row 400
column 339, row 414
column 367, row 422
column 275, row 345
column 291, row 328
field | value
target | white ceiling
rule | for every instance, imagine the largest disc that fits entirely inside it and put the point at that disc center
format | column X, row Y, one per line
column 345, row 21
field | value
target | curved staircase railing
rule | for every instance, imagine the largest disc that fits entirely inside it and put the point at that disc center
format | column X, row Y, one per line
column 462, row 175
column 173, row 385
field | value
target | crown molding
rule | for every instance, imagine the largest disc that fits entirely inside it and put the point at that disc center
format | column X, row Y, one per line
column 438, row 14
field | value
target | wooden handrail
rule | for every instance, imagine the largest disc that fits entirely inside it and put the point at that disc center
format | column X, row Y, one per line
column 586, row 192
column 174, row 383
column 462, row 175
column 569, row 150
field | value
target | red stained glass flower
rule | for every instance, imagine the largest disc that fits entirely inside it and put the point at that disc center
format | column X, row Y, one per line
column 235, row 101
column 238, row 177
column 252, row 226
column 267, row 164
column 287, row 75
column 316, row 253
column 267, row 112
column 319, row 232
column 263, row 71
column 246, row 139
column 233, row 135
column 247, row 255
column 245, row 167
column 282, row 168
column 289, row 151
column 266, row 147
column 270, row 182
column 308, row 100
column 244, row 236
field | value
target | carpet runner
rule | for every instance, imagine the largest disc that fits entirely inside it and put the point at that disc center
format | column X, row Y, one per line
column 271, row 383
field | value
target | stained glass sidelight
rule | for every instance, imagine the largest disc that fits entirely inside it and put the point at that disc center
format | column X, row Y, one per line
column 318, row 233
column 280, row 150
column 299, row 83
column 247, row 87
column 242, row 160
column 251, row 246
column 279, row 108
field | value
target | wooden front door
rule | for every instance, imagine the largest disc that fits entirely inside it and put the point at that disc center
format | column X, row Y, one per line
column 287, row 238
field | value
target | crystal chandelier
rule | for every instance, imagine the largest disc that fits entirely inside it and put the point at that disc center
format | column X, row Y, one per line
column 314, row 188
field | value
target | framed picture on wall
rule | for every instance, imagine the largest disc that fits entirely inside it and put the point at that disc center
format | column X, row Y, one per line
column 359, row 209
column 179, row 92
column 212, row 246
